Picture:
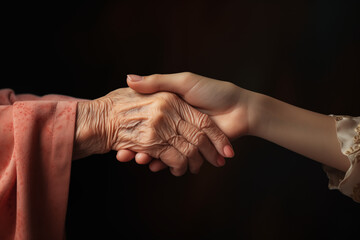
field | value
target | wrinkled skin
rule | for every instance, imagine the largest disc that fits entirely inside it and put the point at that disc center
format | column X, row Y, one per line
column 224, row 102
column 160, row 125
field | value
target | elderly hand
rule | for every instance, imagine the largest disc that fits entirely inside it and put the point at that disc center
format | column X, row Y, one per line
column 160, row 125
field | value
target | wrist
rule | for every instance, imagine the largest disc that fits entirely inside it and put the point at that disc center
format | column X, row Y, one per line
column 257, row 107
column 89, row 134
column 82, row 131
column 244, row 112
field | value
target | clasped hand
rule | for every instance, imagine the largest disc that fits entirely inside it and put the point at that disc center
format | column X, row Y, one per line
column 160, row 125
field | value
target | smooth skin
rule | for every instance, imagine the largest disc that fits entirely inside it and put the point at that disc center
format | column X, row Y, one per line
column 159, row 125
column 237, row 112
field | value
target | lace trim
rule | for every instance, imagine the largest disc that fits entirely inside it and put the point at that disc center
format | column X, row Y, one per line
column 348, row 132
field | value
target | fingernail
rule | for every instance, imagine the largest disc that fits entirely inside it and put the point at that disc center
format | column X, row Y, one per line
column 221, row 161
column 228, row 150
column 134, row 78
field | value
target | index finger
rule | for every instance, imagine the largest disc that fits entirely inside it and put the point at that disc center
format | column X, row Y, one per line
column 205, row 124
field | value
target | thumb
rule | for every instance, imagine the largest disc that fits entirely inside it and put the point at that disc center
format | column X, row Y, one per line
column 179, row 83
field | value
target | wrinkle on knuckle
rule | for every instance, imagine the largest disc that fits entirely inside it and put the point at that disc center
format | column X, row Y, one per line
column 192, row 134
column 150, row 139
column 162, row 103
column 205, row 121
column 186, row 149
column 218, row 137
column 198, row 138
column 163, row 126
column 173, row 140
column 155, row 150
column 162, row 151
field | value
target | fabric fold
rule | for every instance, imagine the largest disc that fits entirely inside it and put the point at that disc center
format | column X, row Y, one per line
column 35, row 162
column 348, row 133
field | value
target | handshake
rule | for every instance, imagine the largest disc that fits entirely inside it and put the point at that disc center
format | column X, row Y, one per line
column 180, row 120
column 176, row 121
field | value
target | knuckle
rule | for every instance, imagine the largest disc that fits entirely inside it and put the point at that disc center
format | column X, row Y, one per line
column 151, row 138
column 199, row 138
column 160, row 123
column 163, row 151
column 157, row 116
column 167, row 96
column 230, row 85
column 152, row 77
column 205, row 121
column 219, row 137
column 163, row 100
column 187, row 76
column 191, row 151
column 187, row 149
column 184, row 148
column 173, row 140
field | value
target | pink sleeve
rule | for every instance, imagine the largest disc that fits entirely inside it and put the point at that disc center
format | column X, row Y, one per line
column 7, row 96
column 36, row 139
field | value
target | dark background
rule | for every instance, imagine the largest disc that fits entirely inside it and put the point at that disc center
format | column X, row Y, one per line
column 303, row 52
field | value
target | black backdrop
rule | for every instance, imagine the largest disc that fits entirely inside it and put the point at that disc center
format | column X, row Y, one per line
column 302, row 52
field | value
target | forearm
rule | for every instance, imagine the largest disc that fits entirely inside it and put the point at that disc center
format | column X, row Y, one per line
column 307, row 133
